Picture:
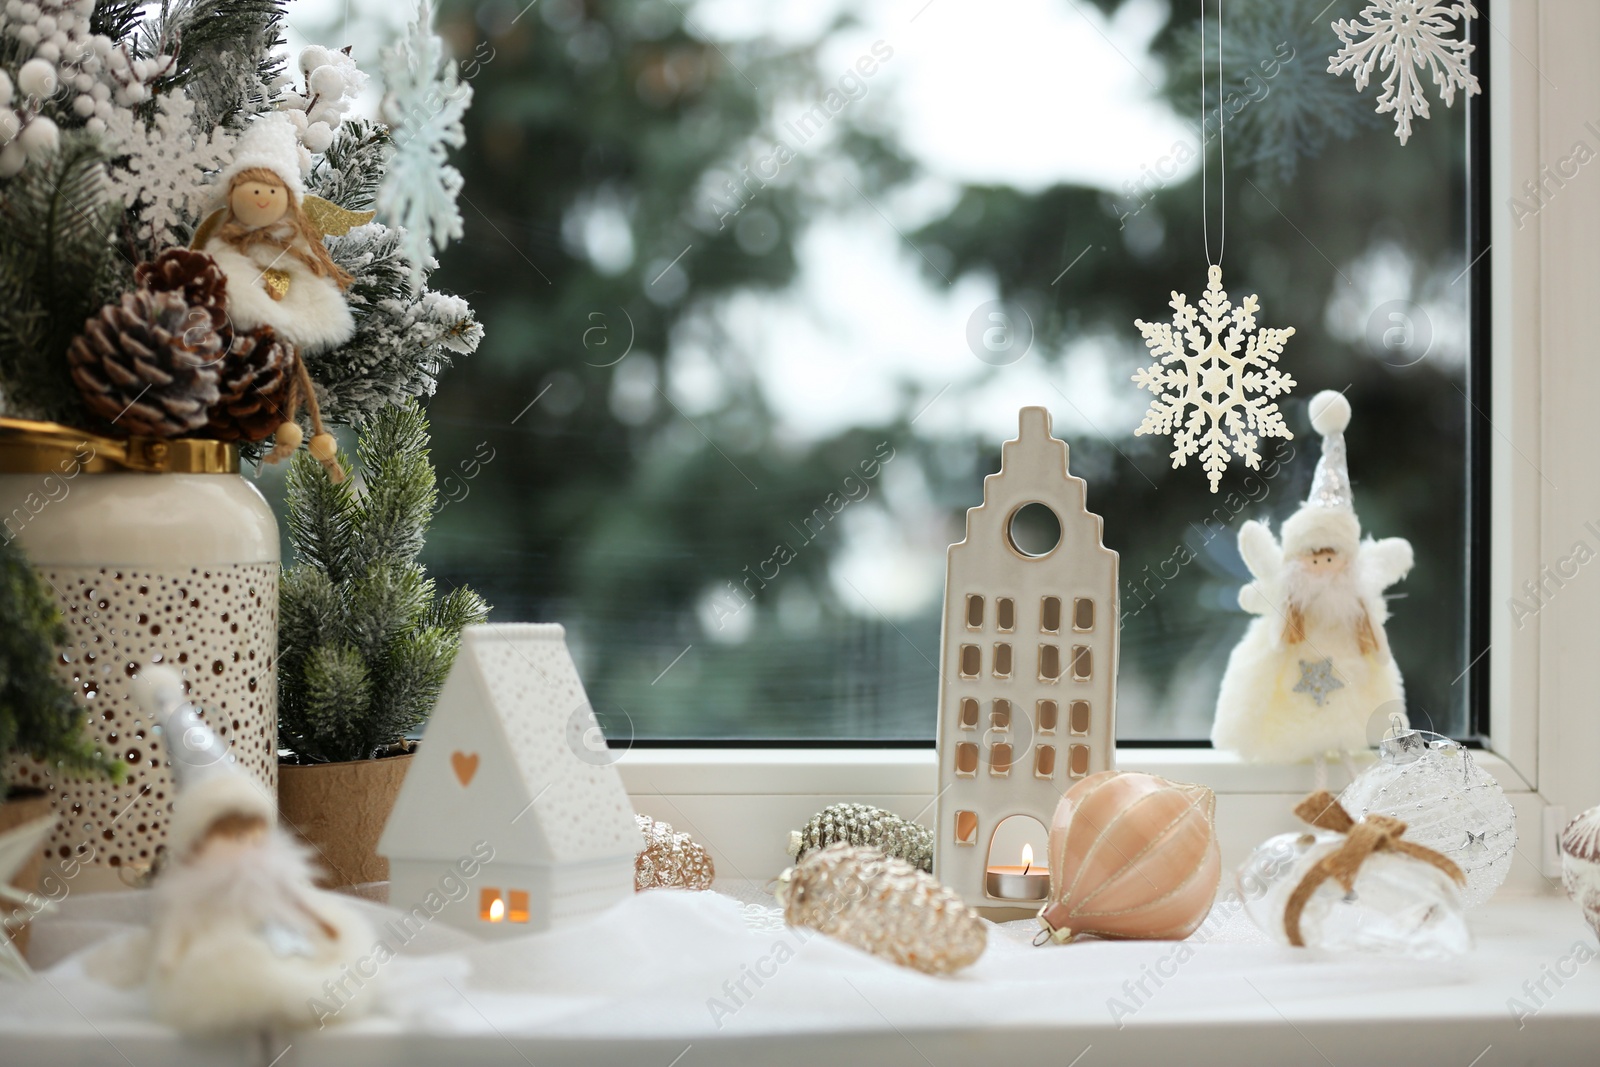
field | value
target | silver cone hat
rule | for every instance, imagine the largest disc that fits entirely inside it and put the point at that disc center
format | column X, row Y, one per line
column 1330, row 485
column 194, row 751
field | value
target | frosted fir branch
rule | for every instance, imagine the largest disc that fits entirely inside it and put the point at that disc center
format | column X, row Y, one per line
column 226, row 51
column 349, row 172
column 403, row 339
column 423, row 108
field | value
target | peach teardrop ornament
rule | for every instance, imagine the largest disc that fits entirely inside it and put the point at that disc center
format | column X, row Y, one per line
column 1131, row 856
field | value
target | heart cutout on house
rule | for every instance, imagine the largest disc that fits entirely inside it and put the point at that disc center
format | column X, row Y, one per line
column 465, row 764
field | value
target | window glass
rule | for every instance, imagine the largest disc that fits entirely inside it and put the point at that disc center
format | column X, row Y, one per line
column 765, row 284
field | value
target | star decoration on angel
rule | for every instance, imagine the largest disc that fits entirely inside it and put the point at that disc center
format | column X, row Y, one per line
column 1318, row 679
column 1405, row 38
column 1212, row 359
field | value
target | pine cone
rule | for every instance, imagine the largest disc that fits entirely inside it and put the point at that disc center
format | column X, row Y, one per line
column 863, row 824
column 884, row 906
column 194, row 274
column 148, row 364
column 258, row 379
column 670, row 860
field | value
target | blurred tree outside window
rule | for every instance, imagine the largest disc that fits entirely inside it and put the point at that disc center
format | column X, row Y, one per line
column 765, row 284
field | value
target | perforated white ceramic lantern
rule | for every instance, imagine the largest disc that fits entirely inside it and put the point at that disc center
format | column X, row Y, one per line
column 512, row 817
column 156, row 552
column 1027, row 690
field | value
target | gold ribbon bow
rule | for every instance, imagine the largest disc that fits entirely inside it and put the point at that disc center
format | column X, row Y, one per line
column 1375, row 833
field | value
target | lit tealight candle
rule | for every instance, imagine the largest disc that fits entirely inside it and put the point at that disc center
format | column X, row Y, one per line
column 1022, row 882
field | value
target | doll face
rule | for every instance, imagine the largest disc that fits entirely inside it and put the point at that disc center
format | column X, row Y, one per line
column 1325, row 562
column 258, row 203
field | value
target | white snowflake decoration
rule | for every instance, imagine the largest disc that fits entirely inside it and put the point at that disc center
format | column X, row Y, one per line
column 1206, row 371
column 423, row 108
column 167, row 167
column 1405, row 37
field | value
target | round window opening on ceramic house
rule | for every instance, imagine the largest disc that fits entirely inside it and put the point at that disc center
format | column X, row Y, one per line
column 1034, row 530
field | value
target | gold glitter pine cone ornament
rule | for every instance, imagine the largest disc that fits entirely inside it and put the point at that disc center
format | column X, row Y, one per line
column 670, row 860
column 863, row 824
column 882, row 905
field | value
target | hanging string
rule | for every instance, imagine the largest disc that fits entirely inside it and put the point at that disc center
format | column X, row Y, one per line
column 1222, row 143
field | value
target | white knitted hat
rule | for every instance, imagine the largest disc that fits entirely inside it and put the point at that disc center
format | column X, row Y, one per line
column 1328, row 517
column 271, row 143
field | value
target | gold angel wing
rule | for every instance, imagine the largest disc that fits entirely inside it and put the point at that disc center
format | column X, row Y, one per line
column 207, row 228
column 331, row 219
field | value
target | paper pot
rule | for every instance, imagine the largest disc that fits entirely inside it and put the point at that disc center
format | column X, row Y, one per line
column 340, row 809
column 19, row 811
column 157, row 552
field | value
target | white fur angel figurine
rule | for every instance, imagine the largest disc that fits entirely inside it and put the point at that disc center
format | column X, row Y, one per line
column 267, row 240
column 240, row 938
column 1313, row 669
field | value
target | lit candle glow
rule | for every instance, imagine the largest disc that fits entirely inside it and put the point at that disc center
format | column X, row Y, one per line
column 1023, row 882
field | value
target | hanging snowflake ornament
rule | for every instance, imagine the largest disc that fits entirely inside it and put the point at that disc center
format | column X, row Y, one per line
column 423, row 108
column 1405, row 38
column 1212, row 359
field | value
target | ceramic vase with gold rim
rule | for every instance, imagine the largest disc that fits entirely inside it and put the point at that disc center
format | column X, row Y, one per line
column 158, row 552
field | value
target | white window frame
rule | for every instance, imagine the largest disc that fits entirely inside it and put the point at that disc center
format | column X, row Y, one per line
column 1544, row 740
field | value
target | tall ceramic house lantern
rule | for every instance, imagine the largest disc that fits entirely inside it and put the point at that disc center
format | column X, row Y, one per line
column 1027, row 691
column 511, row 793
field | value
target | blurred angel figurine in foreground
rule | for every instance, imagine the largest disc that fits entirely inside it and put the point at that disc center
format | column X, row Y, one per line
column 1314, row 668
column 239, row 936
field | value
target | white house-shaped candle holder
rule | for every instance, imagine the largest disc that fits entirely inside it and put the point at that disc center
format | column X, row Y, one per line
column 511, row 767
column 1027, row 688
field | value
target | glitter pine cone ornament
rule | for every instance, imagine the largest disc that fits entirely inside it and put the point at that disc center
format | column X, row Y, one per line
column 670, row 860
column 884, row 906
column 257, row 382
column 194, row 275
column 148, row 363
column 863, row 824
column 1448, row 803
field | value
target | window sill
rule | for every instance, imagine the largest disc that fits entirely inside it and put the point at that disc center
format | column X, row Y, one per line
column 741, row 803
column 819, row 771
column 1222, row 1003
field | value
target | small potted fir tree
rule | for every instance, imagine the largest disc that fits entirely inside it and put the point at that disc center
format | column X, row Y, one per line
column 365, row 641
column 39, row 718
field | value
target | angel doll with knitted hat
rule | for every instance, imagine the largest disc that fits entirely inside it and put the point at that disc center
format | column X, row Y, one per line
column 239, row 937
column 267, row 238
column 1314, row 666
